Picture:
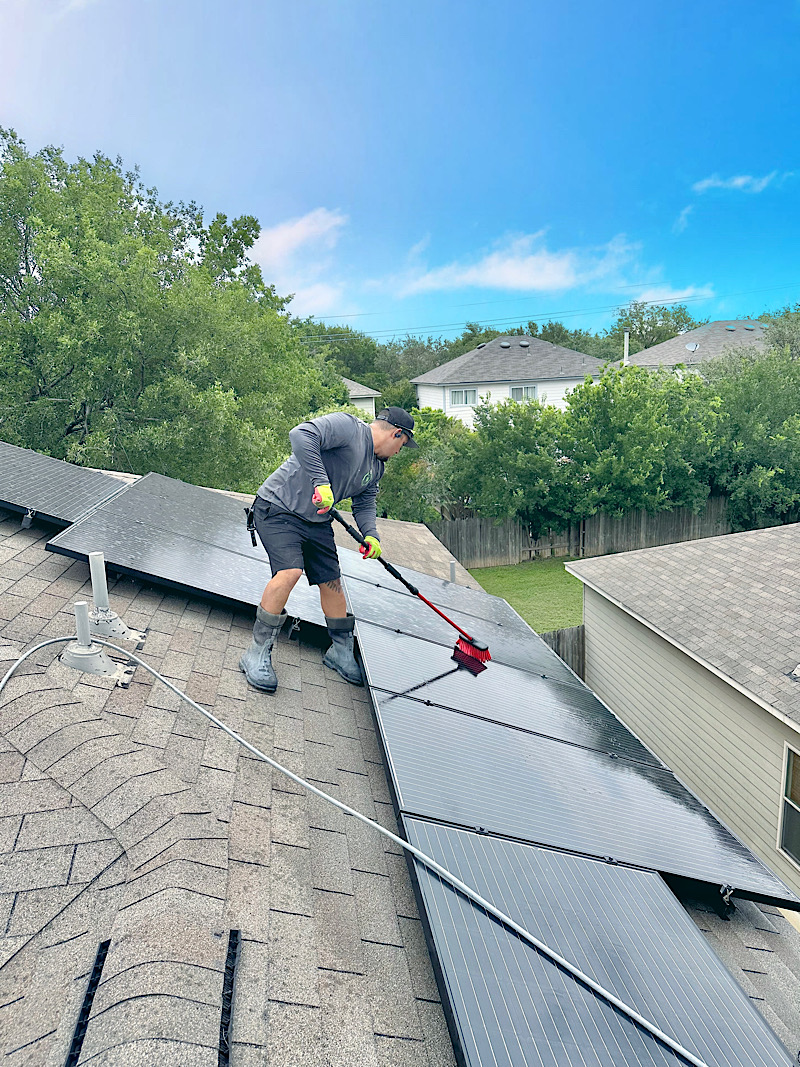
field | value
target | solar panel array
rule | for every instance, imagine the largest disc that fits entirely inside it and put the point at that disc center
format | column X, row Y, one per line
column 519, row 780
column 184, row 536
column 56, row 491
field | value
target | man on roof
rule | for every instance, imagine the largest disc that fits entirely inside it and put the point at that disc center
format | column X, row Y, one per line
column 335, row 457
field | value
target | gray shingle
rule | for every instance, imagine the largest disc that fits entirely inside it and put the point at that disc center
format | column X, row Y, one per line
column 652, row 583
column 493, row 363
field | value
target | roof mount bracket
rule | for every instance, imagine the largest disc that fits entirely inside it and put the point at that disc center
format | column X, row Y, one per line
column 103, row 621
column 85, row 656
column 27, row 519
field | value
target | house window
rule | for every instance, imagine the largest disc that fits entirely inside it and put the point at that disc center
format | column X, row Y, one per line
column 527, row 392
column 460, row 397
column 790, row 823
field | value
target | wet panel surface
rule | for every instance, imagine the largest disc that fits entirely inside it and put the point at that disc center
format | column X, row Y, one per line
column 513, row 1007
column 477, row 774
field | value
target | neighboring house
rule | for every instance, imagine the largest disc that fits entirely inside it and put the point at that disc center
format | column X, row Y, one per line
column 694, row 646
column 705, row 343
column 361, row 396
column 507, row 368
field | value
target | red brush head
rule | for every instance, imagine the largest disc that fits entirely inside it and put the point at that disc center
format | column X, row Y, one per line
column 471, row 655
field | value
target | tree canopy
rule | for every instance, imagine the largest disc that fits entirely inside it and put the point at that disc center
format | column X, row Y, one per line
column 135, row 337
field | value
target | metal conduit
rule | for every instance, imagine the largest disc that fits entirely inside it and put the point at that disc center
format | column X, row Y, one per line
column 428, row 861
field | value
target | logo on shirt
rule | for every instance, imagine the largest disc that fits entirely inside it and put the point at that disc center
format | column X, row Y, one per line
column 367, row 478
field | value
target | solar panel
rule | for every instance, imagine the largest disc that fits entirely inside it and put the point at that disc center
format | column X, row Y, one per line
column 570, row 712
column 512, row 1007
column 478, row 774
column 474, row 602
column 511, row 640
column 56, row 491
column 181, row 535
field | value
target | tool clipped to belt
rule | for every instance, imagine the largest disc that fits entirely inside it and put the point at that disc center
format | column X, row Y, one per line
column 468, row 653
column 250, row 515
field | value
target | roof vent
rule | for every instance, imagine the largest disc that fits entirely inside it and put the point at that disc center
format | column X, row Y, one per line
column 749, row 327
column 731, row 328
column 482, row 344
column 505, row 344
column 524, row 344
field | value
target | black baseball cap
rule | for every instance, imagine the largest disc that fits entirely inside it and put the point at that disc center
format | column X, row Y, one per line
column 400, row 418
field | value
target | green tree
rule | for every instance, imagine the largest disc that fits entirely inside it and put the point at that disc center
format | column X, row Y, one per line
column 757, row 462
column 650, row 324
column 640, row 439
column 512, row 465
column 131, row 336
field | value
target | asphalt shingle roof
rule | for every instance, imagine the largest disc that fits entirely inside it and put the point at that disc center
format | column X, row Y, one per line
column 713, row 340
column 126, row 817
column 516, row 362
column 731, row 602
column 357, row 389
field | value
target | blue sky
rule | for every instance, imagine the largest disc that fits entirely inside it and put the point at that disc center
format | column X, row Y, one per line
column 415, row 165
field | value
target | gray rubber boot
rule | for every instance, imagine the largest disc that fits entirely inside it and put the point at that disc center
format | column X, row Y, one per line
column 339, row 656
column 256, row 661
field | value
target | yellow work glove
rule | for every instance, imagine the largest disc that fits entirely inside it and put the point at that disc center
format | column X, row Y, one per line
column 372, row 549
column 323, row 495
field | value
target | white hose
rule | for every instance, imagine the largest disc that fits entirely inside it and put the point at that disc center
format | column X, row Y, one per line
column 429, row 862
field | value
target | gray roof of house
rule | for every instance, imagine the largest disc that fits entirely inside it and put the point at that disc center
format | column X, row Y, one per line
column 508, row 359
column 730, row 602
column 713, row 340
column 356, row 389
column 127, row 817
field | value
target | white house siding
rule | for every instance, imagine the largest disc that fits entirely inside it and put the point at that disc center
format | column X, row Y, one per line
column 430, row 396
column 438, row 396
column 365, row 403
column 726, row 748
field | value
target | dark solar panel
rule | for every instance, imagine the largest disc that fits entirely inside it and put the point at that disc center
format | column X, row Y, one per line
column 56, row 491
column 473, row 602
column 184, row 536
column 510, row 641
column 570, row 712
column 477, row 774
column 513, row 1007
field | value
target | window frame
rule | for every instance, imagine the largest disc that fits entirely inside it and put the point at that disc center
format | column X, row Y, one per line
column 466, row 394
column 784, row 800
column 529, row 392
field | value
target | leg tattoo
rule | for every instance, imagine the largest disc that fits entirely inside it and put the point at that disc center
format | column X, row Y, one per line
column 335, row 586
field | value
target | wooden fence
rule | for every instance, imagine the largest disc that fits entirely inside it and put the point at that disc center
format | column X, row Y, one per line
column 480, row 542
column 570, row 645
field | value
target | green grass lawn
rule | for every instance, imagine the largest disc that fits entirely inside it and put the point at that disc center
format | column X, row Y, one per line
column 541, row 591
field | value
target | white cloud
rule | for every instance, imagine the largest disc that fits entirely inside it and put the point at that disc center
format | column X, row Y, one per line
column 682, row 221
column 668, row 294
column 744, row 183
column 281, row 247
column 523, row 264
column 296, row 257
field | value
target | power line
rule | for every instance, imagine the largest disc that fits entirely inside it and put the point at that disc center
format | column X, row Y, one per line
column 562, row 315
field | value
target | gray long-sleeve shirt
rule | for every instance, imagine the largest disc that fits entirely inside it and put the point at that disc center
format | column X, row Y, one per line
column 336, row 450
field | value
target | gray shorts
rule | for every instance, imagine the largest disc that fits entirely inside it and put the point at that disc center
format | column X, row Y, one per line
column 293, row 543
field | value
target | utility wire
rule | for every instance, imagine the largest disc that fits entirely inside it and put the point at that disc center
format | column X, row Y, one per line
column 428, row 861
column 570, row 313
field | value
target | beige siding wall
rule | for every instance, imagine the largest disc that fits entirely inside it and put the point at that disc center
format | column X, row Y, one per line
column 727, row 749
